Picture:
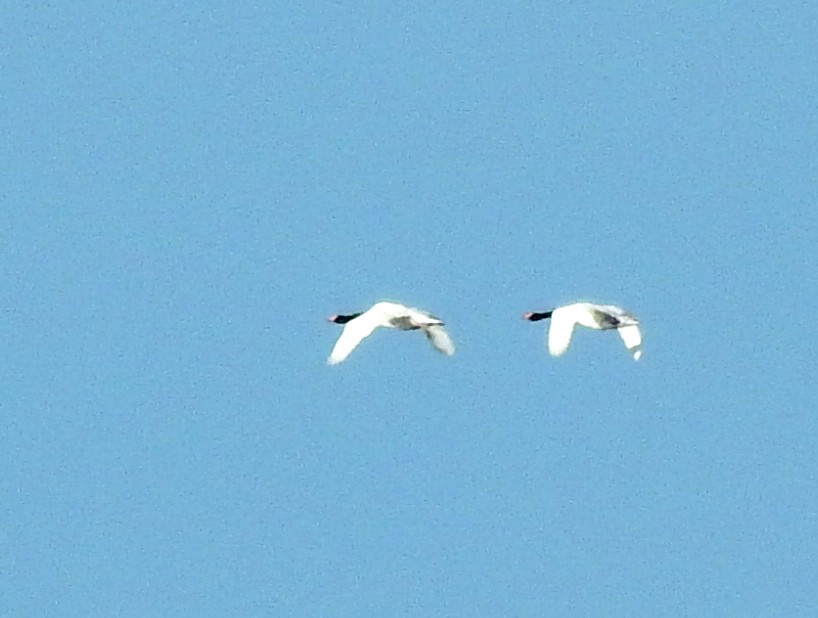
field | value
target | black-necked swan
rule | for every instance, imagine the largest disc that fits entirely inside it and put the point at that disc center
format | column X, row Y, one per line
column 597, row 317
column 358, row 326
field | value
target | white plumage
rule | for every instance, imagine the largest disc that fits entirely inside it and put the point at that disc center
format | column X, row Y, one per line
column 358, row 326
column 589, row 315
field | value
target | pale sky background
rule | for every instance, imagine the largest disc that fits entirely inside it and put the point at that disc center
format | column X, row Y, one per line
column 189, row 189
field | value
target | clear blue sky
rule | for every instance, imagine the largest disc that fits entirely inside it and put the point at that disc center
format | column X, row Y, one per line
column 188, row 190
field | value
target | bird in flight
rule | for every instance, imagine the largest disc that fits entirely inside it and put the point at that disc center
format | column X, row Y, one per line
column 358, row 326
column 589, row 315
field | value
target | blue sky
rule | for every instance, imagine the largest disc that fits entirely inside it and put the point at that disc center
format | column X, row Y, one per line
column 188, row 192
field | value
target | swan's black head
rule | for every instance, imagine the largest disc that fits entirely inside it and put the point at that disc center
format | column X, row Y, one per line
column 533, row 316
column 342, row 319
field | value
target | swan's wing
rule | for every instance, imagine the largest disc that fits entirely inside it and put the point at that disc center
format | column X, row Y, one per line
column 354, row 332
column 603, row 318
column 559, row 334
column 611, row 309
column 632, row 339
column 439, row 339
column 421, row 318
column 619, row 313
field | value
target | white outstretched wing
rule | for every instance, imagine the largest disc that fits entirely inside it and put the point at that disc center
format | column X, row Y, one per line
column 632, row 339
column 354, row 332
column 439, row 339
column 559, row 334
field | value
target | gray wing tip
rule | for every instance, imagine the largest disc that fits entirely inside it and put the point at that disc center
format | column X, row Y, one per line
column 440, row 339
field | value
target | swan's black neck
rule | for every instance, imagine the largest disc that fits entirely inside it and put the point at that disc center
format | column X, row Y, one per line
column 343, row 319
column 536, row 317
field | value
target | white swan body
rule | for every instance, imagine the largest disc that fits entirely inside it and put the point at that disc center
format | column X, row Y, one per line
column 358, row 326
column 589, row 315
